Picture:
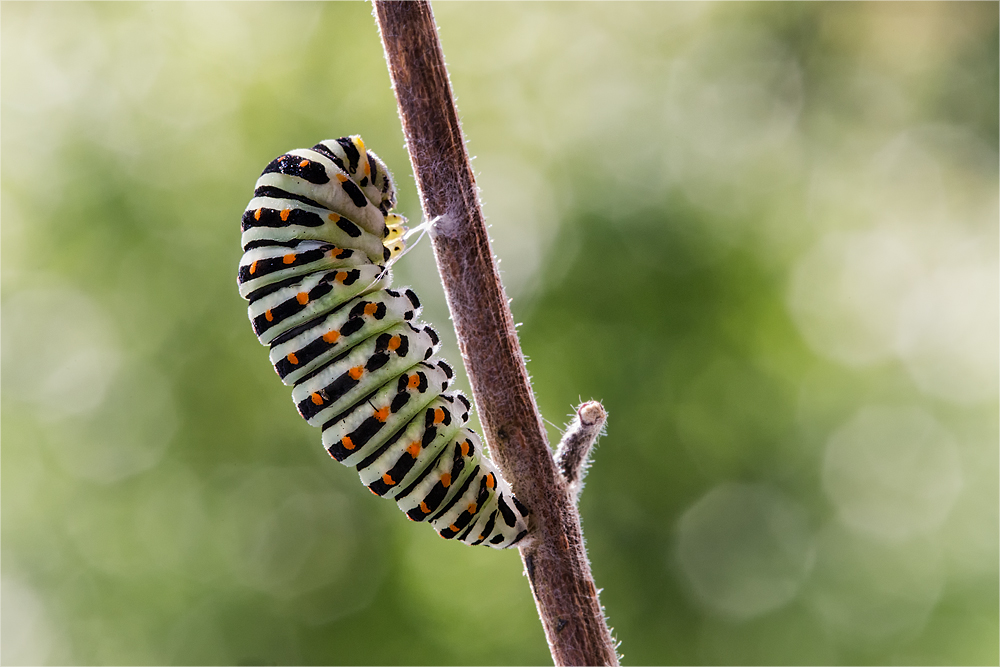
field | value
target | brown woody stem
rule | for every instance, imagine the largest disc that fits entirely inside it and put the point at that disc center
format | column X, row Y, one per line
column 554, row 559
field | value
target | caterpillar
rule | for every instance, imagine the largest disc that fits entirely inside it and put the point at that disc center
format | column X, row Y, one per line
column 318, row 238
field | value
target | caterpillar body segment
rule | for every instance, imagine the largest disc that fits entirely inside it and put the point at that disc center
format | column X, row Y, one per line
column 353, row 435
column 271, row 221
column 317, row 237
column 387, row 471
column 376, row 361
column 290, row 305
column 271, row 265
column 299, row 352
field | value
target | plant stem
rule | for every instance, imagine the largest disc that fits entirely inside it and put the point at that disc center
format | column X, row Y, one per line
column 573, row 454
column 555, row 559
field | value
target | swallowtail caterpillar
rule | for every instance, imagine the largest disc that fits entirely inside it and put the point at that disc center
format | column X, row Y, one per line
column 318, row 237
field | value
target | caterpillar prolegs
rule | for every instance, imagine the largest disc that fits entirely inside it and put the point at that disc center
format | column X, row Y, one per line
column 317, row 238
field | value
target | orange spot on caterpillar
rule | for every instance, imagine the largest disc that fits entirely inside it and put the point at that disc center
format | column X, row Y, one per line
column 370, row 308
column 253, row 268
column 465, row 448
column 490, row 481
column 387, row 479
column 289, row 258
column 453, row 528
column 268, row 316
column 256, row 214
column 347, row 442
column 446, row 480
column 302, row 298
column 413, row 382
column 394, row 343
column 342, row 178
column 472, row 508
column 304, row 163
column 333, row 217
column 292, row 359
column 316, row 398
column 356, row 372
column 414, row 449
column 438, row 415
column 424, row 508
column 331, row 337
column 284, row 214
column 382, row 414
column 341, row 276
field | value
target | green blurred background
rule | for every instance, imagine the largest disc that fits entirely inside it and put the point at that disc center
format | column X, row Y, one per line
column 764, row 235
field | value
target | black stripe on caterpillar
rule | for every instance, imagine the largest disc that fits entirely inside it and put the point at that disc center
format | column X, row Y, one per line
column 318, row 237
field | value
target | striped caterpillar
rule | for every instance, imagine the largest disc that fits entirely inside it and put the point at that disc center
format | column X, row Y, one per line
column 318, row 237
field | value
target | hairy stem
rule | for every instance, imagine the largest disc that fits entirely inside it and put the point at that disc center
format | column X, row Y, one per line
column 573, row 455
column 555, row 559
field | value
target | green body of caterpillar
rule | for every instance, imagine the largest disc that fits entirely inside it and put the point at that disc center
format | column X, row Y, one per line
column 316, row 239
